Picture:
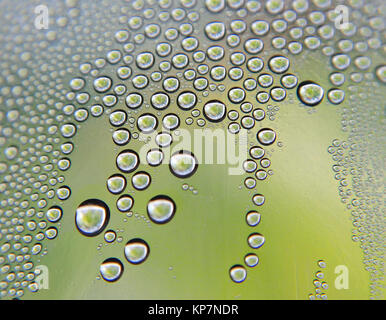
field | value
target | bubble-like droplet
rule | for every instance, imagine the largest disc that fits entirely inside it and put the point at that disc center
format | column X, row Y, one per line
column 163, row 139
column 260, row 27
column 278, row 94
column 214, row 111
column 160, row 100
column 161, row 209
column 121, row 136
column 215, row 53
column 218, row 73
column 238, row 273
column 91, row 217
column 141, row 180
column 110, row 236
column 236, row 95
column 147, row 123
column 183, row 164
column 111, row 269
column 310, row 93
column 251, row 260
column 215, row 30
column 256, row 240
column 145, row 60
column 335, row 96
column 279, row 64
column 266, row 136
column 102, row 84
column 289, row 81
column 125, row 203
column 253, row 218
column 171, row 121
column 54, row 214
column 187, row 100
column 134, row 100
column 116, row 183
column 258, row 199
column 127, row 161
column 51, row 233
column 253, row 46
column 136, row 251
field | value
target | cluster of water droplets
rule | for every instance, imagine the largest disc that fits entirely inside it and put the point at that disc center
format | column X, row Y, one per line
column 320, row 283
column 159, row 61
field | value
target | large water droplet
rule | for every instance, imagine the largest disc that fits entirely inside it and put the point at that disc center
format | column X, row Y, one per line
column 111, row 269
column 266, row 136
column 136, row 251
column 238, row 273
column 310, row 93
column 91, row 217
column 183, row 164
column 161, row 209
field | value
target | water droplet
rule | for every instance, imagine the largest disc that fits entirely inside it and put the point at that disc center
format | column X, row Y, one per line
column 214, row 111
column 256, row 240
column 136, row 251
column 310, row 93
column 266, row 136
column 183, row 164
column 111, row 269
column 91, row 217
column 238, row 273
column 161, row 209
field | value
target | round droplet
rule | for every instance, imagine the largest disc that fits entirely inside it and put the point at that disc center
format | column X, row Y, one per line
column 91, row 217
column 160, row 100
column 116, row 183
column 251, row 260
column 163, row 139
column 154, row 157
column 214, row 111
column 111, row 269
column 310, row 93
column 54, row 214
column 145, row 60
column 238, row 273
column 253, row 218
column 136, row 251
column 289, row 81
column 266, row 136
column 215, row 30
column 161, row 209
column 236, row 95
column 121, row 136
column 171, row 122
column 127, row 161
column 147, row 123
column 183, row 164
column 258, row 199
column 335, row 96
column 110, row 236
column 125, row 203
column 187, row 100
column 141, row 180
column 279, row 64
column 102, row 84
column 134, row 100
column 256, row 240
